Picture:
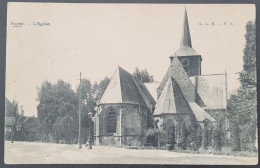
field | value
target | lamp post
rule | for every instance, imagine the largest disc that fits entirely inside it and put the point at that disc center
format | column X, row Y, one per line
column 89, row 135
column 79, row 140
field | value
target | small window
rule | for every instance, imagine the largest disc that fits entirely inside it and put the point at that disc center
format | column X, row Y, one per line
column 111, row 121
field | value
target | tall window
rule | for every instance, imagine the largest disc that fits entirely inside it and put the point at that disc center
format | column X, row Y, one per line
column 111, row 121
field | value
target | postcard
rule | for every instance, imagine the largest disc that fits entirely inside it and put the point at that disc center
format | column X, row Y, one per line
column 131, row 83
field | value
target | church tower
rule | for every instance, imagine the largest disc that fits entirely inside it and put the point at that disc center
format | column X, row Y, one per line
column 189, row 58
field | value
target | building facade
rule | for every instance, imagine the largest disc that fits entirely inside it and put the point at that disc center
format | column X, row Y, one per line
column 124, row 111
column 184, row 97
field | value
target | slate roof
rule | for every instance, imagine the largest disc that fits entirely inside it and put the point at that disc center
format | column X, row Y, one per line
column 177, row 94
column 186, row 45
column 171, row 100
column 212, row 90
column 125, row 88
column 178, row 73
column 186, row 51
column 199, row 113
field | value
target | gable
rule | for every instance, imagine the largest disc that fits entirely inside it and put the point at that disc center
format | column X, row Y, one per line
column 171, row 100
column 177, row 72
column 113, row 94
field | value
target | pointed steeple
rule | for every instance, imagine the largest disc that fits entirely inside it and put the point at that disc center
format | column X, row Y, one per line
column 185, row 46
column 185, row 39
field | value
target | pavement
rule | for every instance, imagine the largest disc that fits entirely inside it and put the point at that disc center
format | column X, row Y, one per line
column 51, row 153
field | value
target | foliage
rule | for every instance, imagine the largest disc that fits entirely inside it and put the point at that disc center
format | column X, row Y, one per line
column 206, row 138
column 248, row 74
column 151, row 136
column 194, row 136
column 56, row 102
column 143, row 75
column 242, row 112
column 99, row 89
column 183, row 136
column 217, row 139
column 58, row 110
column 172, row 137
column 65, row 128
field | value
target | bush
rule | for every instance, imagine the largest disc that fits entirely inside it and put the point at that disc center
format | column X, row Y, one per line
column 217, row 139
column 170, row 147
column 183, row 137
column 151, row 136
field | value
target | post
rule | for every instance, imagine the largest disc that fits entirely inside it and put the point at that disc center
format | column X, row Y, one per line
column 12, row 132
column 79, row 140
column 226, row 121
column 97, row 128
column 158, row 138
column 120, row 118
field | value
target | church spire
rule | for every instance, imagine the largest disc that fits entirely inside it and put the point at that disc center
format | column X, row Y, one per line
column 185, row 39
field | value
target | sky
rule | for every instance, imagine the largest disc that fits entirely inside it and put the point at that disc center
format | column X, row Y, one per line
column 95, row 38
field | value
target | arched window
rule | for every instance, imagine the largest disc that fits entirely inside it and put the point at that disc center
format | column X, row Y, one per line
column 111, row 121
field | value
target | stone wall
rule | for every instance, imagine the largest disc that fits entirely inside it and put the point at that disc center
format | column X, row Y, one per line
column 130, row 126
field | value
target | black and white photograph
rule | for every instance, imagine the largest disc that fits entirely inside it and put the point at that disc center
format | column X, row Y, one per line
column 130, row 83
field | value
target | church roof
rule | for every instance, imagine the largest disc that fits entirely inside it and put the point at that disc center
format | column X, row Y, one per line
column 212, row 90
column 171, row 100
column 177, row 94
column 178, row 73
column 186, row 45
column 199, row 113
column 126, row 89
column 186, row 51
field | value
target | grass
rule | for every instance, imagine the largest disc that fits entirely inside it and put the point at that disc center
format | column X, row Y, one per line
column 224, row 151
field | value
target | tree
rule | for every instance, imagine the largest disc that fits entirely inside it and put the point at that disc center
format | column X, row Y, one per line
column 99, row 89
column 183, row 136
column 56, row 103
column 88, row 101
column 11, row 110
column 248, row 74
column 242, row 105
column 143, row 75
column 194, row 136
column 235, row 137
column 217, row 139
column 206, row 134
column 64, row 128
column 22, row 110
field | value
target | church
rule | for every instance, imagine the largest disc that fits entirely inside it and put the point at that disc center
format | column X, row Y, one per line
column 183, row 97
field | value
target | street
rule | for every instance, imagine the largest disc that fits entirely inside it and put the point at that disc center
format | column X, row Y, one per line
column 51, row 153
